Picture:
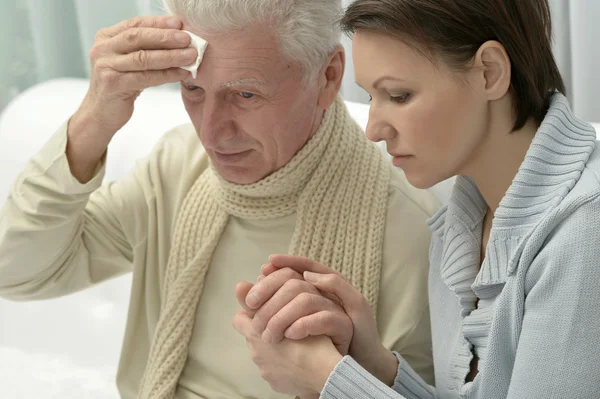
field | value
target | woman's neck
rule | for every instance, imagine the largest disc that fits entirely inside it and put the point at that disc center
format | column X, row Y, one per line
column 497, row 161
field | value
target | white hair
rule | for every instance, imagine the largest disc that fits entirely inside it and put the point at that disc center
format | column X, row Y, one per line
column 307, row 30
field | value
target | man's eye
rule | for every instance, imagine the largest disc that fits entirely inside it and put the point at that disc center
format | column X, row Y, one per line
column 191, row 87
column 245, row 94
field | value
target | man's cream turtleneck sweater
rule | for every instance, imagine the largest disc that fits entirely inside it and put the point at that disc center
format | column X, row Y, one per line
column 85, row 234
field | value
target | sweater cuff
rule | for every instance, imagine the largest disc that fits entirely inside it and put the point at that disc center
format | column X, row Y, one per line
column 408, row 383
column 349, row 380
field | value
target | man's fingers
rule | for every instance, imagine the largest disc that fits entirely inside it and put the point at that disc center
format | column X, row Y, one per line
column 242, row 323
column 268, row 269
column 241, row 291
column 267, row 287
column 161, row 22
column 145, row 79
column 290, row 290
column 336, row 325
column 153, row 60
column 148, row 39
column 299, row 307
column 299, row 264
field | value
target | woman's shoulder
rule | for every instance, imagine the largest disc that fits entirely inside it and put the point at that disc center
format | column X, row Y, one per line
column 572, row 229
column 585, row 190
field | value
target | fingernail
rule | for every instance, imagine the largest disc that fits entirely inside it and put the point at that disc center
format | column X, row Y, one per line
column 311, row 277
column 258, row 280
column 189, row 53
column 173, row 23
column 288, row 334
column 252, row 299
column 267, row 336
column 182, row 37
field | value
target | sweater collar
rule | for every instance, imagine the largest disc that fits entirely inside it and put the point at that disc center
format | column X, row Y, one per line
column 552, row 166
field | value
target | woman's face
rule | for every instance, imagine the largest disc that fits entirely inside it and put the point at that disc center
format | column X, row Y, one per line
column 432, row 119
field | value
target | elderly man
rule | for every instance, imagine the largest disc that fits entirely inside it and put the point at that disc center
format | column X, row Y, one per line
column 280, row 168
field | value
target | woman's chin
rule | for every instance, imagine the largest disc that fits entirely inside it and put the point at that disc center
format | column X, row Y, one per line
column 420, row 180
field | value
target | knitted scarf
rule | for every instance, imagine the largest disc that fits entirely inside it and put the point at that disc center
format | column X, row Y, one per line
column 338, row 185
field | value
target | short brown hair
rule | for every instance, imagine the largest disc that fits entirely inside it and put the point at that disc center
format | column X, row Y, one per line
column 453, row 31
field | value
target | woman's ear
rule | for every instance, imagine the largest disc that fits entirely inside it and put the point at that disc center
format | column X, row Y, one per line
column 330, row 77
column 493, row 60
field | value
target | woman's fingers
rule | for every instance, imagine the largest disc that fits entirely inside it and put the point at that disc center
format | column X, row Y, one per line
column 334, row 324
column 299, row 264
column 351, row 300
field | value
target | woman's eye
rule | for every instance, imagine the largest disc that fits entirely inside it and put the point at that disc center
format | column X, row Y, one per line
column 400, row 98
column 245, row 94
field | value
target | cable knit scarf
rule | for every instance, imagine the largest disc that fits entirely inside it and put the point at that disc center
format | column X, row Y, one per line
column 337, row 184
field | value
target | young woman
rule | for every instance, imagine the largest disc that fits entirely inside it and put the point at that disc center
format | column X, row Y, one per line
column 465, row 88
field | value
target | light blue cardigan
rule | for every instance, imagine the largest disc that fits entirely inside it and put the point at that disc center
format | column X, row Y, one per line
column 536, row 328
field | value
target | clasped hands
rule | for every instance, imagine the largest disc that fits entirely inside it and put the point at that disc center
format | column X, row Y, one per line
column 300, row 319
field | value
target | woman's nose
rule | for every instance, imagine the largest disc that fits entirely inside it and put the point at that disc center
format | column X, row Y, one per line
column 378, row 129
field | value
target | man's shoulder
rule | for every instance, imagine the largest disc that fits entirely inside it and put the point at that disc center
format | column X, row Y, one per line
column 403, row 195
column 180, row 143
column 178, row 152
column 180, row 136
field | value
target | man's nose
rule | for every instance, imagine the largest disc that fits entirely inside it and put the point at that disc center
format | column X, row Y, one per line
column 217, row 123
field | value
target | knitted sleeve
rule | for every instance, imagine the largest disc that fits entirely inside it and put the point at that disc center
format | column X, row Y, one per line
column 350, row 380
column 58, row 236
column 559, row 346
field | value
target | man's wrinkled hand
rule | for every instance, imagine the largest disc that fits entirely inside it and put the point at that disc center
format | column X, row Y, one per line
column 290, row 367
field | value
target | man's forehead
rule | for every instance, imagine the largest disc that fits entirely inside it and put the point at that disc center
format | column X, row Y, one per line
column 258, row 41
column 249, row 56
column 225, row 68
column 220, row 76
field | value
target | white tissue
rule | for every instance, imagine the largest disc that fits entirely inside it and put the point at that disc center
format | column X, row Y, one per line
column 199, row 44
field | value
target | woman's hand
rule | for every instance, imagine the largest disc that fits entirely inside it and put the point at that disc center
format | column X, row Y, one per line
column 365, row 347
column 290, row 367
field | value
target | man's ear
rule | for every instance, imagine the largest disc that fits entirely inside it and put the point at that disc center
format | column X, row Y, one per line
column 494, row 63
column 330, row 77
